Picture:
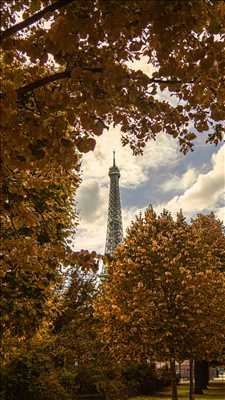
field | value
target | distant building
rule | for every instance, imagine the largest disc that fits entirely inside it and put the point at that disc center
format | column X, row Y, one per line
column 114, row 225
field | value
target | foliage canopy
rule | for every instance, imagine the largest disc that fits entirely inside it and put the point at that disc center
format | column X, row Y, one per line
column 66, row 77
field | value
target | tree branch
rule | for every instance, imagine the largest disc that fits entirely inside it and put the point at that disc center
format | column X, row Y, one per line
column 34, row 18
column 42, row 82
column 67, row 74
column 52, row 78
column 167, row 81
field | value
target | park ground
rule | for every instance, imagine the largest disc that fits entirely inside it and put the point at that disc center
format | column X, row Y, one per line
column 216, row 391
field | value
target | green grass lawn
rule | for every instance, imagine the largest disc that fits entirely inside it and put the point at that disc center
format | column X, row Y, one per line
column 216, row 391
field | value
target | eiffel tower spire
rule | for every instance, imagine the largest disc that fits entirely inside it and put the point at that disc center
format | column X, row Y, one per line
column 114, row 226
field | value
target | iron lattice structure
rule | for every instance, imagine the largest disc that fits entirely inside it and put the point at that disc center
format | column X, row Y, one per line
column 114, row 225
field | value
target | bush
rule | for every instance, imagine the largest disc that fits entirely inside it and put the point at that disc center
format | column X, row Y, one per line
column 143, row 379
column 31, row 376
column 103, row 381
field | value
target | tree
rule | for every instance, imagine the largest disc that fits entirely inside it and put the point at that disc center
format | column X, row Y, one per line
column 38, row 222
column 164, row 297
column 216, row 241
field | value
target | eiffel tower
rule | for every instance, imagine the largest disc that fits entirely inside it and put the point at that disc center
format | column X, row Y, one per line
column 114, row 225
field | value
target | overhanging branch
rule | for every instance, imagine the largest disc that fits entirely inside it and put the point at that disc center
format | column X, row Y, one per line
column 34, row 18
column 52, row 78
column 42, row 82
column 67, row 74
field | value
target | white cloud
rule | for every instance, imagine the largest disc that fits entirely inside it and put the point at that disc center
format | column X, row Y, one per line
column 220, row 213
column 142, row 65
column 91, row 236
column 205, row 192
column 92, row 208
column 180, row 182
column 91, row 200
column 136, row 170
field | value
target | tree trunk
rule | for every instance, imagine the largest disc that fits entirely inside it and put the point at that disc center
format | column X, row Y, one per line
column 198, row 378
column 206, row 375
column 191, row 386
column 201, row 376
column 173, row 379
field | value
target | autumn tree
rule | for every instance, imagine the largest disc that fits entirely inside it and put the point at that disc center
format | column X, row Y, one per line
column 164, row 295
column 216, row 240
column 35, row 218
column 38, row 223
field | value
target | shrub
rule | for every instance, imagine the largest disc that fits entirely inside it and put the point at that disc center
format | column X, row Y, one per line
column 143, row 379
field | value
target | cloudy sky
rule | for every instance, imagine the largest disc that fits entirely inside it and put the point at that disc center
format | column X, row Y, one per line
column 162, row 176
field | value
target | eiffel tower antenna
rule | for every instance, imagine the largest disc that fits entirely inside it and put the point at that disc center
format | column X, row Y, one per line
column 114, row 225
